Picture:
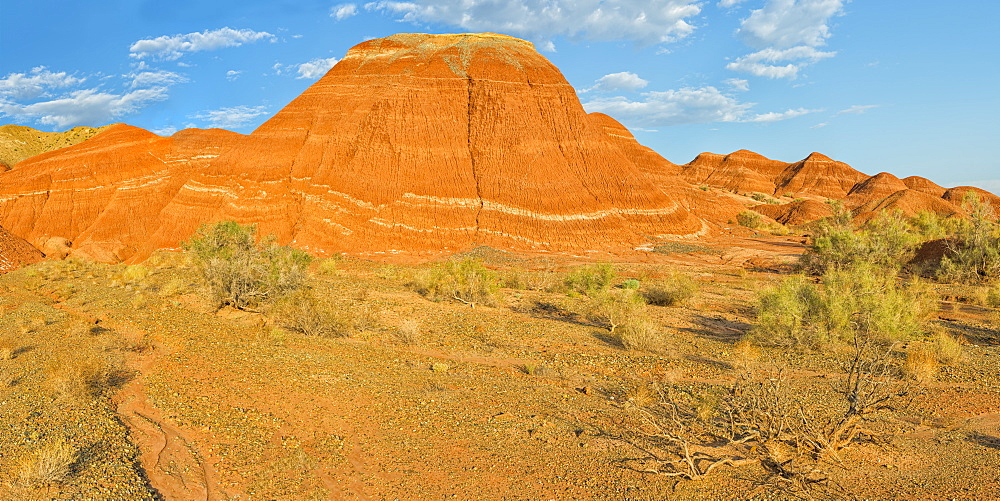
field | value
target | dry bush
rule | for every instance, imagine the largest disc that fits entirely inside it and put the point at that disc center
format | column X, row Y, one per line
column 624, row 313
column 591, row 279
column 49, row 465
column 674, row 290
column 87, row 377
column 366, row 317
column 301, row 311
column 465, row 280
column 134, row 274
column 947, row 348
column 642, row 334
column 241, row 272
column 7, row 349
column 409, row 331
column 173, row 287
column 921, row 362
column 328, row 266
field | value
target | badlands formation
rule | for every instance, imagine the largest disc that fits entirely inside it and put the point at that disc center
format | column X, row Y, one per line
column 411, row 147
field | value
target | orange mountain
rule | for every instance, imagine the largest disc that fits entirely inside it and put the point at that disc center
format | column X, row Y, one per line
column 415, row 144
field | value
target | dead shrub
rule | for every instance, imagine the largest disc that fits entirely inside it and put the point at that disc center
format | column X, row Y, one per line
column 921, row 362
column 301, row 311
column 51, row 464
column 409, row 331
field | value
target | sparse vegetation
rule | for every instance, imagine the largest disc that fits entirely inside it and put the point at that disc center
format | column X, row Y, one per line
column 887, row 242
column 465, row 280
column 242, row 272
column 749, row 219
column 409, row 331
column 591, row 279
column 301, row 311
column 674, row 290
column 974, row 249
column 50, row 464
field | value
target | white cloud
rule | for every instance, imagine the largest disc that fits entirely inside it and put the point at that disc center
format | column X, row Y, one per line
column 165, row 131
column 819, row 125
column 737, row 84
column 315, row 68
column 231, row 118
column 857, row 109
column 775, row 117
column 36, row 83
column 623, row 81
column 725, row 4
column 761, row 63
column 788, row 23
column 672, row 107
column 684, row 106
column 84, row 107
column 343, row 11
column 786, row 31
column 232, row 75
column 642, row 21
column 151, row 78
column 173, row 47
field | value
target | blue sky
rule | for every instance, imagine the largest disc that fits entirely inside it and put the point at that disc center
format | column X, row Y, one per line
column 911, row 88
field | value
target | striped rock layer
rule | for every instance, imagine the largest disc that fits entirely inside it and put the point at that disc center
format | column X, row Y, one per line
column 414, row 144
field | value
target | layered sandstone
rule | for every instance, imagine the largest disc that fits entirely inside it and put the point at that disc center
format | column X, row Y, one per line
column 15, row 252
column 419, row 143
column 411, row 144
column 924, row 185
column 742, row 171
column 795, row 213
column 104, row 196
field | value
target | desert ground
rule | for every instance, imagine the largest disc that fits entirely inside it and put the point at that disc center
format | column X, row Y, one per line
column 129, row 382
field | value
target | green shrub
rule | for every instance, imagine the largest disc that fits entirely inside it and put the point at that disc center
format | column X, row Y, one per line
column 591, row 279
column 674, row 290
column 993, row 296
column 749, row 219
column 466, row 280
column 242, row 272
column 974, row 250
column 862, row 303
column 887, row 241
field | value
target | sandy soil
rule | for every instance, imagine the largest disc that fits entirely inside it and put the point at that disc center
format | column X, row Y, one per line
column 527, row 400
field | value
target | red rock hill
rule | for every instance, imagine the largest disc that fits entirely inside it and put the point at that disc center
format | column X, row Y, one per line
column 412, row 144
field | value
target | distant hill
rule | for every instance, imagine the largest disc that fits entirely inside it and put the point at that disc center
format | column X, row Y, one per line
column 18, row 142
